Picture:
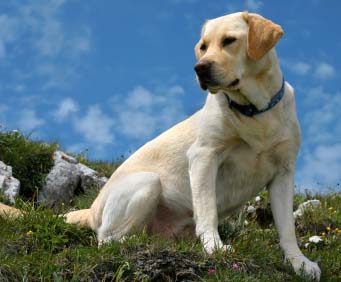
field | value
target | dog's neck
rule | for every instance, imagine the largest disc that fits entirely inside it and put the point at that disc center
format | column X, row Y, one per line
column 260, row 88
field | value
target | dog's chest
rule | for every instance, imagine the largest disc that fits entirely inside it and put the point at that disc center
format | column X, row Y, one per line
column 241, row 176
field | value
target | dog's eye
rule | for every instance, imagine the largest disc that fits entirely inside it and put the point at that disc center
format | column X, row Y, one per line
column 203, row 47
column 228, row 41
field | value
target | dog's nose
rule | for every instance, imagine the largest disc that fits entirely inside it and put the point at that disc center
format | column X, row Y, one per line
column 202, row 68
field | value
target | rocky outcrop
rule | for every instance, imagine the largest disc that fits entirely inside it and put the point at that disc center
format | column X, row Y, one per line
column 61, row 182
column 306, row 205
column 8, row 184
column 67, row 177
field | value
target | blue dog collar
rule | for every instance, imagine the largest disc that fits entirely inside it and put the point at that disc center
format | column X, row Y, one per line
column 251, row 110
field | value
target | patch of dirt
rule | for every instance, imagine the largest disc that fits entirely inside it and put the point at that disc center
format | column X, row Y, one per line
column 167, row 265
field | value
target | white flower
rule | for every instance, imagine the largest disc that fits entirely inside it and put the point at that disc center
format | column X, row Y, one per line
column 306, row 245
column 246, row 223
column 257, row 199
column 251, row 209
column 315, row 239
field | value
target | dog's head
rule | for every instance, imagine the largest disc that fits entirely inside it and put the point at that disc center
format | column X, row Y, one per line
column 232, row 47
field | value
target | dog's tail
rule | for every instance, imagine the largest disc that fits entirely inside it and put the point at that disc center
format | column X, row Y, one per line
column 9, row 211
column 82, row 218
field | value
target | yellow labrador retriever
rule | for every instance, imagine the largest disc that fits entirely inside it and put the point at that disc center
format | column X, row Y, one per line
column 245, row 138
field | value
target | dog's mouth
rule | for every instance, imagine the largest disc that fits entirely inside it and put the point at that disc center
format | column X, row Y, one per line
column 214, row 87
column 233, row 84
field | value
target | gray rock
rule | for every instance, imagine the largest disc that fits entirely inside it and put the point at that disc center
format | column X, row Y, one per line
column 66, row 177
column 90, row 178
column 306, row 205
column 9, row 184
column 61, row 183
column 59, row 155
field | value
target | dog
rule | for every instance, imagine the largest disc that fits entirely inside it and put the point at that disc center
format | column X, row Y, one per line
column 244, row 139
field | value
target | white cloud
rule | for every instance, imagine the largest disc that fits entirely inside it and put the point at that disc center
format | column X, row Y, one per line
column 315, row 96
column 66, row 107
column 253, row 5
column 43, row 25
column 321, row 166
column 321, row 147
column 320, row 70
column 29, row 121
column 300, row 68
column 81, row 43
column 324, row 71
column 55, row 76
column 142, row 113
column 140, row 97
column 52, row 43
column 78, row 148
column 95, row 126
column 321, row 119
column 137, row 124
column 8, row 32
column 51, row 39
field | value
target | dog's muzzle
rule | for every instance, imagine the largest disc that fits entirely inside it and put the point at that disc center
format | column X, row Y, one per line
column 203, row 70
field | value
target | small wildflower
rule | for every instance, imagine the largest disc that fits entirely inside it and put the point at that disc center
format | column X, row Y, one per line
column 315, row 239
column 331, row 208
column 30, row 232
column 257, row 199
column 328, row 228
column 323, row 233
column 211, row 270
column 306, row 245
column 251, row 209
column 235, row 266
column 339, row 231
column 336, row 229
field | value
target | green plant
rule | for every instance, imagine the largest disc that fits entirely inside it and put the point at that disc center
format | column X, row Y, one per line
column 30, row 160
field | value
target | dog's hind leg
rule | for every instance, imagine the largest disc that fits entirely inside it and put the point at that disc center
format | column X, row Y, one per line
column 129, row 206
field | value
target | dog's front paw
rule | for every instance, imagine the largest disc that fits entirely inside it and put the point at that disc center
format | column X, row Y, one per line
column 301, row 262
column 212, row 243
column 227, row 248
column 211, row 248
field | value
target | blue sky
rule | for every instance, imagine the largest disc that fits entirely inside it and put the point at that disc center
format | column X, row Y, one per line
column 107, row 76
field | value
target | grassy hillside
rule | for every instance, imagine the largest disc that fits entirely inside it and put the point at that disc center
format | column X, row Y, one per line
column 41, row 247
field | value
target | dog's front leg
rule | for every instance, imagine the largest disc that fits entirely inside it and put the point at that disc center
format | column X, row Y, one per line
column 203, row 166
column 281, row 197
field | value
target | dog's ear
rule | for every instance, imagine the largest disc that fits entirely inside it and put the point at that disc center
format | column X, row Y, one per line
column 262, row 36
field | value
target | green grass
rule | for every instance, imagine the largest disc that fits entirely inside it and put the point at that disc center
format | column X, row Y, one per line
column 30, row 160
column 41, row 247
